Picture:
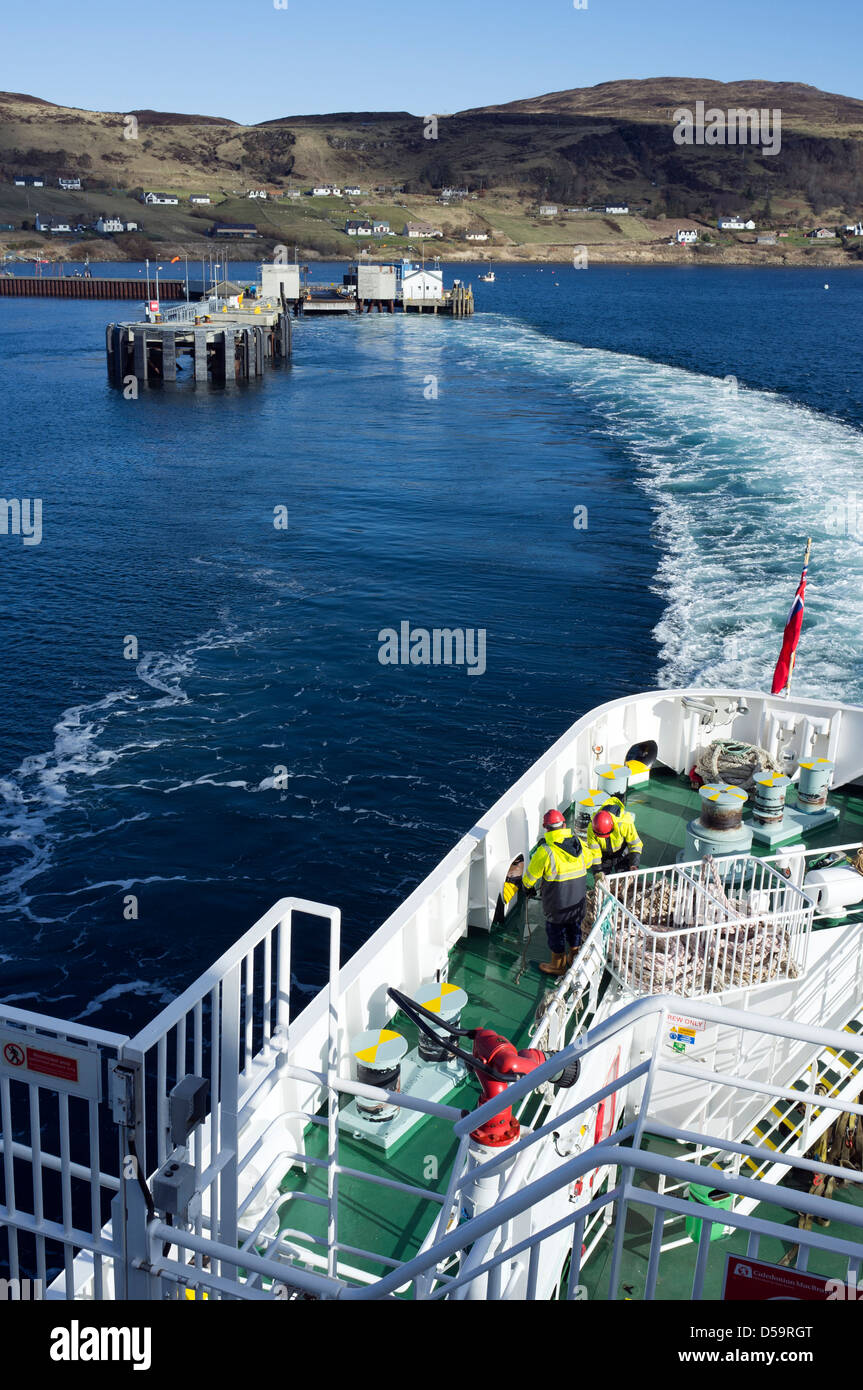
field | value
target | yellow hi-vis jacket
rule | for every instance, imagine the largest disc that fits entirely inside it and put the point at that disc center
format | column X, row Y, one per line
column 623, row 836
column 561, row 862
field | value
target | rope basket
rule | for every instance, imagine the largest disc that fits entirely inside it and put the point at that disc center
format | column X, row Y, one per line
column 668, row 945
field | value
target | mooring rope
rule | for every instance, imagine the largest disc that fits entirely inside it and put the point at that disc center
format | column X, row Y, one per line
column 725, row 760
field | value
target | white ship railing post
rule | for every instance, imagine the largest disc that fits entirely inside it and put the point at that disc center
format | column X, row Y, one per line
column 228, row 1110
column 333, row 1094
column 627, row 1172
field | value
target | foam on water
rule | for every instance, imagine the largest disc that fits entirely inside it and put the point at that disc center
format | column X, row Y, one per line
column 738, row 479
column 280, row 676
column 89, row 740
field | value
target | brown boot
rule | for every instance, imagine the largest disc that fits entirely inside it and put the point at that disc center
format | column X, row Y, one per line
column 556, row 966
column 571, row 955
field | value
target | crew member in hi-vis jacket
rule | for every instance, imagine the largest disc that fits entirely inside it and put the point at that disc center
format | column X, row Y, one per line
column 560, row 863
column 613, row 837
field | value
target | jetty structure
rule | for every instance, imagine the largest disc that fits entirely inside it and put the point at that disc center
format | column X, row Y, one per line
column 232, row 333
column 367, row 287
column 228, row 338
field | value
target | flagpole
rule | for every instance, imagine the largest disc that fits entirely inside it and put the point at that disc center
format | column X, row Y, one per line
column 787, row 689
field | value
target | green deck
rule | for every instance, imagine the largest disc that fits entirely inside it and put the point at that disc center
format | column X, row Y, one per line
column 486, row 964
column 677, row 1267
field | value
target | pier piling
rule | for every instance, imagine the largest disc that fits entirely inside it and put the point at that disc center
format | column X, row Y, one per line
column 221, row 352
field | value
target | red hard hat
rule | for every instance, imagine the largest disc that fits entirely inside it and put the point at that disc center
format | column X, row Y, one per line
column 603, row 823
column 553, row 820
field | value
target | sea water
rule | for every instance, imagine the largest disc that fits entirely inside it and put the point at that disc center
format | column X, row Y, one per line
column 610, row 474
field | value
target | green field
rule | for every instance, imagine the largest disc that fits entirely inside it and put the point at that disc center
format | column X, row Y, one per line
column 575, row 229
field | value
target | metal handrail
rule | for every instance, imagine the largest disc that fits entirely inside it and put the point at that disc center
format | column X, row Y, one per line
column 470, row 1233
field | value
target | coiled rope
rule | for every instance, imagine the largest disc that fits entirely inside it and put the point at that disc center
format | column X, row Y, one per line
column 724, row 760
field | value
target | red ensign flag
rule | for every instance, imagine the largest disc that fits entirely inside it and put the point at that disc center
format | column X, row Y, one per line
column 785, row 664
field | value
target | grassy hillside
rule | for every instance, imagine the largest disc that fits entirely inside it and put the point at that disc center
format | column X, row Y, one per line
column 611, row 143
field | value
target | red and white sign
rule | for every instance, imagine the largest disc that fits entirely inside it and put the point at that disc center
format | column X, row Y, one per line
column 754, row 1281
column 74, row 1070
column 694, row 1025
column 52, row 1063
column 14, row 1055
column 154, row 306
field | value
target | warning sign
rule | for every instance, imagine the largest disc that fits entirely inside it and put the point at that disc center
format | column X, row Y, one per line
column 73, row 1070
column 679, row 1022
column 52, row 1064
column 682, row 1031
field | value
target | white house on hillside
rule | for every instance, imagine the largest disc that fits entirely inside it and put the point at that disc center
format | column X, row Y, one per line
column 735, row 224
column 47, row 224
column 421, row 229
column 618, row 210
column 163, row 199
column 686, row 235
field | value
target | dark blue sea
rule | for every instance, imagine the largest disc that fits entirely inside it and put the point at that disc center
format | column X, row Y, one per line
column 248, row 743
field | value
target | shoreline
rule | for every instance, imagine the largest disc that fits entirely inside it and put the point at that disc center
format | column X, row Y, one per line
column 671, row 256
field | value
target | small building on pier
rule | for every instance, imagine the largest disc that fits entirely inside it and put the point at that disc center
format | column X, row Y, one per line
column 374, row 285
column 277, row 280
column 421, row 285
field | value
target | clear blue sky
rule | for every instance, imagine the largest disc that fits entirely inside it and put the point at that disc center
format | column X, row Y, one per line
column 250, row 61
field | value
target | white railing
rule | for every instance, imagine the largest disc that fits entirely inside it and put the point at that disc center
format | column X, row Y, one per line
column 494, row 1254
column 271, row 1074
column 227, row 1027
column 495, row 1257
column 59, row 1164
column 546, row 1195
column 795, row 860
column 706, row 927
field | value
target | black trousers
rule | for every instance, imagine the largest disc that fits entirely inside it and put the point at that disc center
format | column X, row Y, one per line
column 565, row 930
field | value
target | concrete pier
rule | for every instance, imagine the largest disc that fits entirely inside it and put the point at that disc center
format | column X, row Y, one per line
column 222, row 353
